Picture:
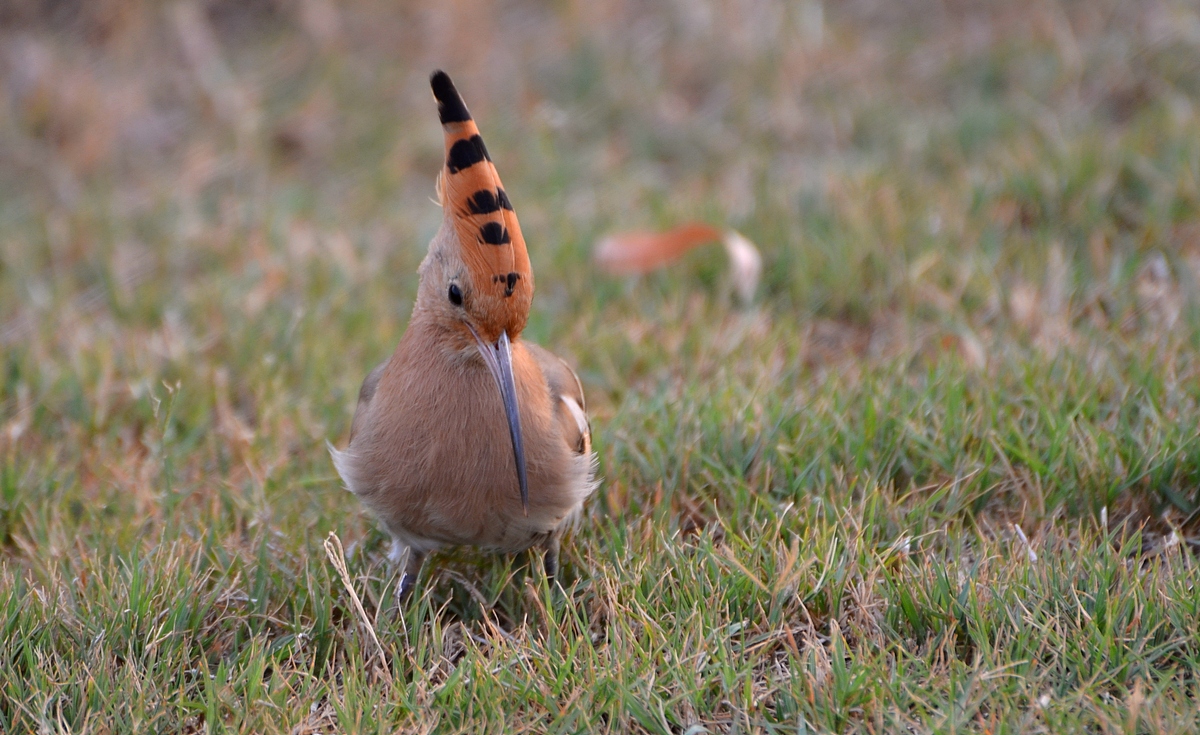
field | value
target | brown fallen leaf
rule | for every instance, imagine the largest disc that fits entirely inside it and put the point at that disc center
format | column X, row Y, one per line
column 632, row 253
column 641, row 252
column 745, row 264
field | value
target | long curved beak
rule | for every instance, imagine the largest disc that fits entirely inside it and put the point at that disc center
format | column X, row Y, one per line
column 498, row 357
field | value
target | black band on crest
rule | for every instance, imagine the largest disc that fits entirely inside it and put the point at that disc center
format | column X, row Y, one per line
column 451, row 108
column 494, row 233
column 483, row 202
column 466, row 153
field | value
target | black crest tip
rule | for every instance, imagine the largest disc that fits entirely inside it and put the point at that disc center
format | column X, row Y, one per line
column 451, row 108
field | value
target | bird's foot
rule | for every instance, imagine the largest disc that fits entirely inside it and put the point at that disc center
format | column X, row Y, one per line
column 550, row 560
column 408, row 576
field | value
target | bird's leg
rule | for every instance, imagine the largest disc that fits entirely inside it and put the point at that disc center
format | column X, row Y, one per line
column 411, row 560
column 550, row 560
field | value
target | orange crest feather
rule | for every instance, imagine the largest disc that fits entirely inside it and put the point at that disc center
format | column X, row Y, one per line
column 481, row 215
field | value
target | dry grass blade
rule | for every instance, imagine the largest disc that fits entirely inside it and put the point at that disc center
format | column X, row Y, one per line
column 337, row 557
column 1029, row 552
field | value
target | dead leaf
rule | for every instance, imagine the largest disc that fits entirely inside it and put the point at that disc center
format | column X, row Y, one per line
column 642, row 252
column 745, row 264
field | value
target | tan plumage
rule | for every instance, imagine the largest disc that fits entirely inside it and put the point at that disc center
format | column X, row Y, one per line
column 447, row 427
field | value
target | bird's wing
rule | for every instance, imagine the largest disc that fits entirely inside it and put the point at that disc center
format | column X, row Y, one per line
column 365, row 394
column 566, row 394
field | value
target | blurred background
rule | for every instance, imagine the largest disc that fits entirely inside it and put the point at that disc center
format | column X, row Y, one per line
column 979, row 223
column 211, row 214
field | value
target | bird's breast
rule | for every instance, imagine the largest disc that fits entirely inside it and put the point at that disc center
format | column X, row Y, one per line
column 434, row 459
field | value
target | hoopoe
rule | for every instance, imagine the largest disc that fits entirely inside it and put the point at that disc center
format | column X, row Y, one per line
column 467, row 434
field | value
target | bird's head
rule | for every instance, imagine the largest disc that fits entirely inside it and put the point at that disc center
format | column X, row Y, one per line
column 482, row 267
column 476, row 278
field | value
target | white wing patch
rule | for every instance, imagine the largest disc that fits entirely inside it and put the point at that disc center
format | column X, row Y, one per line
column 344, row 462
column 581, row 422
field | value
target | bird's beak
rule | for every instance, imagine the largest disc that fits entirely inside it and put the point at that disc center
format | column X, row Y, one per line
column 498, row 357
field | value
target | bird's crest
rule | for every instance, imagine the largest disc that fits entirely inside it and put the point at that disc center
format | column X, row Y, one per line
column 480, row 214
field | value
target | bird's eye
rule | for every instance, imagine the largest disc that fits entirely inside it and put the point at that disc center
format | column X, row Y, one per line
column 455, row 294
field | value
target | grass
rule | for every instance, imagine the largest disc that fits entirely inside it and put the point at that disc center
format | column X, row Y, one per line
column 943, row 476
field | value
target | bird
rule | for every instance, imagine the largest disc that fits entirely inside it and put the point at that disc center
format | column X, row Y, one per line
column 468, row 434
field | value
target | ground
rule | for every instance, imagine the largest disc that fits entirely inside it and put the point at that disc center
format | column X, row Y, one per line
column 942, row 475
